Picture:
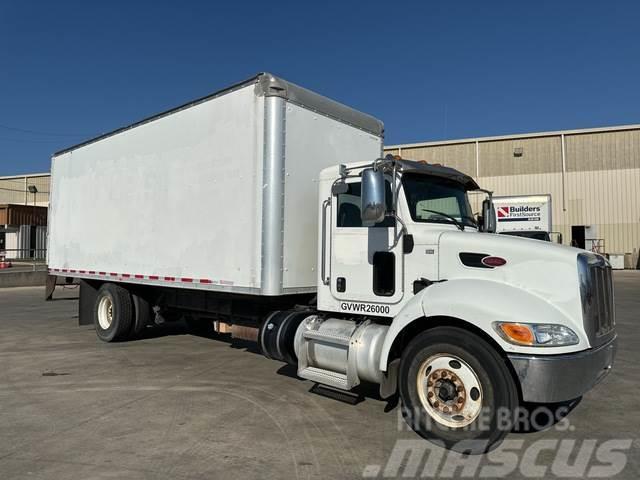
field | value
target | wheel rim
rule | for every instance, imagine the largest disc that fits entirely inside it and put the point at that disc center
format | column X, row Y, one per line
column 105, row 312
column 449, row 390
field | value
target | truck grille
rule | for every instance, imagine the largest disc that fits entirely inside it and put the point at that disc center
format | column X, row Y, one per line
column 596, row 291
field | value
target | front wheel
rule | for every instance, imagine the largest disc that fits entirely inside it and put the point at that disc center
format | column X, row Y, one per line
column 456, row 390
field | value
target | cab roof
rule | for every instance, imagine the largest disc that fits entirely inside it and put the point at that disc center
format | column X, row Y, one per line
column 437, row 170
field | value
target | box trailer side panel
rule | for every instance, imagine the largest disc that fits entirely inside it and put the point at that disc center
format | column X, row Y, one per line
column 523, row 213
column 313, row 142
column 176, row 198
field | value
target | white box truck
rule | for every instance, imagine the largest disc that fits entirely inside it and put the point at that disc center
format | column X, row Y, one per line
column 265, row 211
column 526, row 216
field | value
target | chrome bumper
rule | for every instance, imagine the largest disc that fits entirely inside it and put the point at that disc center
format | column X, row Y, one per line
column 557, row 378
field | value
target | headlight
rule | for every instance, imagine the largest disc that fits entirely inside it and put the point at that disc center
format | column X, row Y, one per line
column 536, row 334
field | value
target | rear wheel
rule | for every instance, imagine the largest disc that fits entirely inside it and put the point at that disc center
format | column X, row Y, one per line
column 113, row 313
column 456, row 390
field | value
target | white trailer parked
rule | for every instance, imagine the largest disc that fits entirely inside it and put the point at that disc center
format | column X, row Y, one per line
column 265, row 211
column 526, row 216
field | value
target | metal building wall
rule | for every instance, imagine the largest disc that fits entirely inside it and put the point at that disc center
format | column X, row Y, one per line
column 15, row 189
column 597, row 183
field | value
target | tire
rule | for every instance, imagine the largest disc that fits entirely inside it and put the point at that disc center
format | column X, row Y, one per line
column 113, row 313
column 467, row 396
column 143, row 314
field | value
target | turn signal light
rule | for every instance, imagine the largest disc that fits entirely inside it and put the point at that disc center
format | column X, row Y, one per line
column 518, row 333
column 536, row 334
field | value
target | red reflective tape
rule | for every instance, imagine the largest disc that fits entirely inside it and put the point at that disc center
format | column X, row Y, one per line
column 138, row 276
column 186, row 280
column 82, row 271
column 64, row 270
column 92, row 272
column 170, row 279
column 205, row 280
column 154, row 277
column 126, row 275
column 102, row 273
column 72, row 271
column 113, row 274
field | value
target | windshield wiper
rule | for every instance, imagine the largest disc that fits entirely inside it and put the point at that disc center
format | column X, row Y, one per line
column 453, row 219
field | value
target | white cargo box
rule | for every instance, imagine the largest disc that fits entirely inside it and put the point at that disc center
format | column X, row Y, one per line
column 523, row 213
column 218, row 194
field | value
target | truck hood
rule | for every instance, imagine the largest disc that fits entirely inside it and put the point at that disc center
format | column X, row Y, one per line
column 544, row 269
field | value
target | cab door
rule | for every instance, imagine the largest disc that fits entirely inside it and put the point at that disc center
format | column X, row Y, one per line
column 364, row 266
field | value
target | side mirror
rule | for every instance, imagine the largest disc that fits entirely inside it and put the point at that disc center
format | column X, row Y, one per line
column 488, row 216
column 372, row 209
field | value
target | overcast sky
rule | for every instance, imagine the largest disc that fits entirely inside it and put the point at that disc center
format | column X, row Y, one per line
column 431, row 70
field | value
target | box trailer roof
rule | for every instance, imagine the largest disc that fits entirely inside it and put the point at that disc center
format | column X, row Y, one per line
column 267, row 85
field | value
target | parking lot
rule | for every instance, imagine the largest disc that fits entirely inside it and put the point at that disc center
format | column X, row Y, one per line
column 173, row 405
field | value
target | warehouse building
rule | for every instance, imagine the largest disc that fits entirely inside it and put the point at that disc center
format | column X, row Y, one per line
column 23, row 216
column 593, row 176
column 32, row 189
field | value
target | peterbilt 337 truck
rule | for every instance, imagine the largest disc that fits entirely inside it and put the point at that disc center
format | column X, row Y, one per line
column 266, row 211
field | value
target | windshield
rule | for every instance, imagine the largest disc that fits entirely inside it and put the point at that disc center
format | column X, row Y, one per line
column 435, row 200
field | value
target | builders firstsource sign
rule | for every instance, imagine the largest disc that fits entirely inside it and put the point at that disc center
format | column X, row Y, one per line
column 522, row 214
column 519, row 213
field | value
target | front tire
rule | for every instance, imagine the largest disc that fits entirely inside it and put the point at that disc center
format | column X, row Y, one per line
column 113, row 313
column 456, row 390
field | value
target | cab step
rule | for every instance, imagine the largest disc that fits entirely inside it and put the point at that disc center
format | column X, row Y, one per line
column 325, row 377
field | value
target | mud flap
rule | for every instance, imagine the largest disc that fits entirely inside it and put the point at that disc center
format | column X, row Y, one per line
column 49, row 287
column 389, row 384
column 88, row 294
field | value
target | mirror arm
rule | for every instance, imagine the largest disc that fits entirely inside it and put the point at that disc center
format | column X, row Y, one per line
column 403, row 230
column 488, row 192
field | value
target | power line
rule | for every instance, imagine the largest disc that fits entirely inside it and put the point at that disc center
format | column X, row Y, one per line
column 27, row 140
column 53, row 134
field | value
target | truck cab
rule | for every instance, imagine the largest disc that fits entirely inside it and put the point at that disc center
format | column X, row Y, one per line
column 374, row 267
column 462, row 321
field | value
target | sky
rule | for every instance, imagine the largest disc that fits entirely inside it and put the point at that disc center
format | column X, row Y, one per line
column 431, row 70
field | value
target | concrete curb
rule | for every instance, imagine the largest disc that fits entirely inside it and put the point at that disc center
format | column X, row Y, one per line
column 23, row 279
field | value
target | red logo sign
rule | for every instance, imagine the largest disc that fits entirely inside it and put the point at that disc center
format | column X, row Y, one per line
column 503, row 212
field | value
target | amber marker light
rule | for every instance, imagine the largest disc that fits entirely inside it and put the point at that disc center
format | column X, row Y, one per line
column 517, row 333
